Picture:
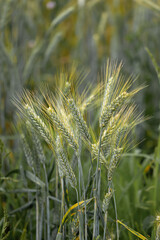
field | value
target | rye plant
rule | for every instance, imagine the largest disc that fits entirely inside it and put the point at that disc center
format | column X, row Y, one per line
column 67, row 120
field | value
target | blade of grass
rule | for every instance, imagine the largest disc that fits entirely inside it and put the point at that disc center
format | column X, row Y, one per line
column 133, row 231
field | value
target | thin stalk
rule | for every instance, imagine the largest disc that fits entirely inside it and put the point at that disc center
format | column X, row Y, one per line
column 98, row 197
column 41, row 220
column 115, row 207
column 63, row 204
column 37, row 210
column 156, row 174
column 98, row 160
column 97, row 191
column 95, row 214
column 37, row 217
column 48, row 222
column 56, row 181
column 80, row 219
column 30, row 222
column 105, row 225
column 81, row 178
column 47, row 203
column 83, row 187
column 85, row 214
column 29, row 199
column 85, row 228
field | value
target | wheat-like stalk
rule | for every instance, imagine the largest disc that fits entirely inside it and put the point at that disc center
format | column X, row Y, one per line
column 112, row 108
column 27, row 151
column 38, row 146
column 106, row 200
column 39, row 125
column 64, row 117
column 64, row 130
column 95, row 155
column 112, row 126
column 81, row 124
column 113, row 163
column 64, row 165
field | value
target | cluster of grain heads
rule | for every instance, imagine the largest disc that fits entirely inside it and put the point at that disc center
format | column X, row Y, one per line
column 64, row 165
column 106, row 200
column 61, row 120
column 27, row 151
column 117, row 117
column 102, row 158
column 113, row 162
column 81, row 124
column 64, row 130
column 110, row 109
column 37, row 145
column 37, row 122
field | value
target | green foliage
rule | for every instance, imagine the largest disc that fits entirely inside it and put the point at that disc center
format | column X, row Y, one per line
column 6, row 227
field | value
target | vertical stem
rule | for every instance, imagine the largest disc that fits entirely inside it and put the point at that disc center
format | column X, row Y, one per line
column 79, row 175
column 41, row 219
column 156, row 175
column 81, row 235
column 37, row 210
column 85, row 222
column 37, row 217
column 81, row 179
column 56, row 181
column 62, row 205
column 97, row 191
column 105, row 225
column 48, row 221
column 47, row 203
column 99, row 150
column 115, row 206
column 95, row 214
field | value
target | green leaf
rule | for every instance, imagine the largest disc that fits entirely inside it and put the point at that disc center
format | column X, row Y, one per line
column 25, row 206
column 6, row 227
column 133, row 231
column 62, row 16
column 74, row 207
column 155, row 64
column 34, row 179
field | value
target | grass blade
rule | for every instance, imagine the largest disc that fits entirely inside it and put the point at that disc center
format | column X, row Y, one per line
column 133, row 231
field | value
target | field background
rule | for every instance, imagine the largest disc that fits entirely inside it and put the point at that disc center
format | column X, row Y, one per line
column 37, row 40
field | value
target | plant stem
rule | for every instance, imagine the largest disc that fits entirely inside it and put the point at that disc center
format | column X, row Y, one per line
column 63, row 204
column 97, row 191
column 81, row 235
column 95, row 214
column 105, row 225
column 37, row 217
column 115, row 206
column 47, row 202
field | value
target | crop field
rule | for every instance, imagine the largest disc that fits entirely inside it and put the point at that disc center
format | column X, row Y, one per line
column 79, row 120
